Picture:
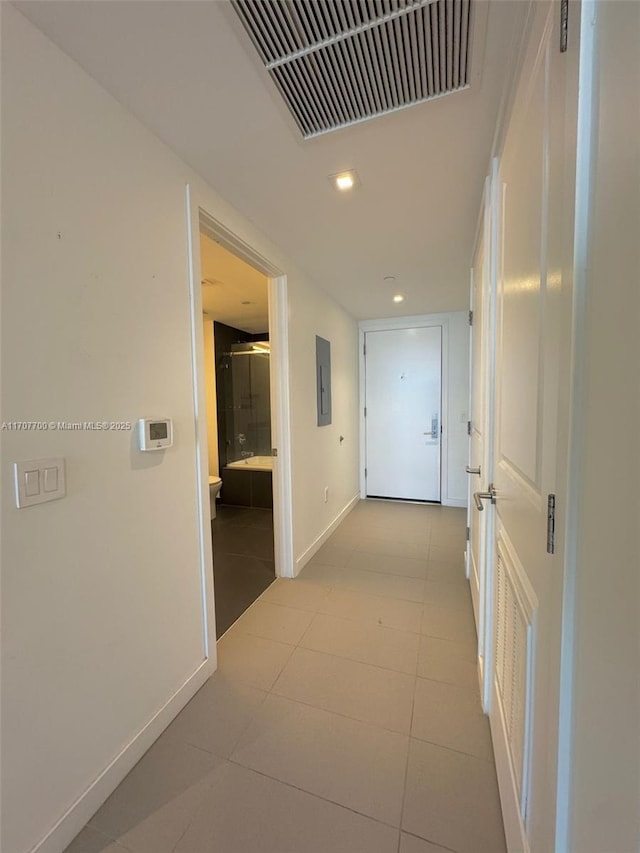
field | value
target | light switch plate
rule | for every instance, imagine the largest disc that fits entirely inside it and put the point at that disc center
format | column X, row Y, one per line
column 45, row 474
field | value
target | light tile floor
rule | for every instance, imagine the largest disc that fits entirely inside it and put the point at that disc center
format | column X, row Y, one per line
column 344, row 716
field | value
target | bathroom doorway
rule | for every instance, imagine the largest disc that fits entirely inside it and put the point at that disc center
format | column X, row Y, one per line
column 237, row 385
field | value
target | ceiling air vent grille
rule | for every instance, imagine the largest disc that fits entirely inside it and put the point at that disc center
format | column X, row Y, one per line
column 339, row 62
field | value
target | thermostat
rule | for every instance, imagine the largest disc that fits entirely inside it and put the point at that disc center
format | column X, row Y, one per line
column 155, row 433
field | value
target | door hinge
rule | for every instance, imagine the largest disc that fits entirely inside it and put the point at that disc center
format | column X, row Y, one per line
column 365, row 411
column 468, row 533
column 564, row 25
column 471, row 318
column 365, row 473
column 468, row 427
column 364, row 350
column 551, row 524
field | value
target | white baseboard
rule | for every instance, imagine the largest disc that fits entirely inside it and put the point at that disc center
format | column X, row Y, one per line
column 514, row 828
column 78, row 815
column 461, row 502
column 315, row 546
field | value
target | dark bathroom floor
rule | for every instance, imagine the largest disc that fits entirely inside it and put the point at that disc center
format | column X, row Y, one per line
column 243, row 562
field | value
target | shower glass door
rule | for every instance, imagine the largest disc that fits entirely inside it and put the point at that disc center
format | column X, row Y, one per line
column 247, row 401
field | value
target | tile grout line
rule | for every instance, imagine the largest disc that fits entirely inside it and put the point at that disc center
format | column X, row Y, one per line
column 416, row 677
column 198, row 808
column 107, row 836
column 271, row 689
column 429, row 841
column 319, row 562
column 371, row 624
column 364, row 624
column 223, row 761
column 380, row 574
column 306, row 631
column 455, row 567
column 406, row 767
column 333, row 655
column 452, row 749
column 342, row 716
column 312, row 794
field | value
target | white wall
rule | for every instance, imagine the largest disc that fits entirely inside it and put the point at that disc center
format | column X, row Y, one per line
column 102, row 602
column 455, row 394
column 605, row 749
column 321, row 460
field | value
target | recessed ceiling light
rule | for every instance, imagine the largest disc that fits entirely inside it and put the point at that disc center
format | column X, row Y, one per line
column 398, row 298
column 389, row 279
column 344, row 181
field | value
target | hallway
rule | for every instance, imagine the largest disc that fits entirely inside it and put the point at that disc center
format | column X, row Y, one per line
column 344, row 716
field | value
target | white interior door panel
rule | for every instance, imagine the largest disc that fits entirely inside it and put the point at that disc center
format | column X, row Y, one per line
column 532, row 203
column 481, row 441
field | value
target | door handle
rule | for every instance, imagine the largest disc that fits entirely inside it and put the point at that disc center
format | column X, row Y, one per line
column 489, row 495
column 473, row 470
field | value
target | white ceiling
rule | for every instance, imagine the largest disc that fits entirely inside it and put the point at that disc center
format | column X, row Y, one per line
column 228, row 284
column 188, row 71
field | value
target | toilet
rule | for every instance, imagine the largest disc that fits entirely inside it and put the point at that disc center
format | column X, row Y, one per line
column 215, row 484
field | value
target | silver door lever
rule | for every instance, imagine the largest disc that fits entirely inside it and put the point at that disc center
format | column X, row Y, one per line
column 473, row 470
column 489, row 495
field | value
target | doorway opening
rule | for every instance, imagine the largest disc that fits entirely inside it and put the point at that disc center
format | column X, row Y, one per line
column 237, row 354
column 242, row 422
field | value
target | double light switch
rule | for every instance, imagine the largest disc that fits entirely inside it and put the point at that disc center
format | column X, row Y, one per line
column 38, row 481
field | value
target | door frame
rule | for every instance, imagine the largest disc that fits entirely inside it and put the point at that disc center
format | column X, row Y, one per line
column 487, row 233
column 416, row 321
column 198, row 219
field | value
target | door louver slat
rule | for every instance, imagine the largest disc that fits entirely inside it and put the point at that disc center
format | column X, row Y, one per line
column 340, row 62
column 515, row 641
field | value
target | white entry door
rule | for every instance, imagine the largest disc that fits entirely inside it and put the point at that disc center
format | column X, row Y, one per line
column 403, row 390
